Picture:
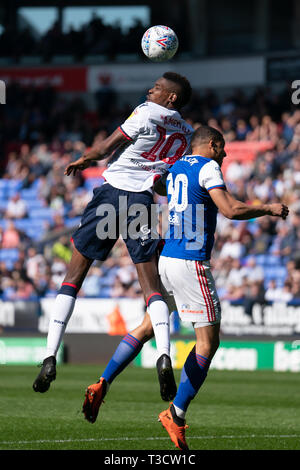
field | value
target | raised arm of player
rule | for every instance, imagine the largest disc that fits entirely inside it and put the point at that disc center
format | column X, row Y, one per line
column 234, row 209
column 98, row 152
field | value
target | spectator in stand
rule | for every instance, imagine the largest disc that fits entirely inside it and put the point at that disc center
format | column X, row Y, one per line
column 235, row 172
column 11, row 237
column 232, row 246
column 242, row 129
column 252, row 272
column 296, row 290
column 51, row 289
column 278, row 294
column 228, row 130
column 262, row 241
column 58, row 270
column 16, row 208
column 284, row 241
column 24, row 290
column 62, row 249
column 235, row 277
column 221, row 269
column 92, row 283
column 35, row 263
column 254, row 293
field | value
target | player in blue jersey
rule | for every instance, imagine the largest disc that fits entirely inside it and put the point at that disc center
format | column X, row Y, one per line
column 196, row 191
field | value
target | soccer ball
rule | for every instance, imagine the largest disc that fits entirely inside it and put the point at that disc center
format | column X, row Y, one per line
column 159, row 43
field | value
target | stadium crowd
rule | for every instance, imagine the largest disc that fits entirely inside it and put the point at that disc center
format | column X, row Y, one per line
column 91, row 39
column 40, row 206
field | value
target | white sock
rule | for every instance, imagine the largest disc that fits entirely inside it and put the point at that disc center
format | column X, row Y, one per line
column 179, row 412
column 159, row 314
column 62, row 311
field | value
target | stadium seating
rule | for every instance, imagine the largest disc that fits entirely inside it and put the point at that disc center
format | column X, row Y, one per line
column 9, row 256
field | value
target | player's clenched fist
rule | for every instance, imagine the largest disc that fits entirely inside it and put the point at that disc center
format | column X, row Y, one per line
column 279, row 210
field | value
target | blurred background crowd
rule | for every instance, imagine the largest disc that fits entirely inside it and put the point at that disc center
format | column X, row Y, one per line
column 40, row 207
column 94, row 38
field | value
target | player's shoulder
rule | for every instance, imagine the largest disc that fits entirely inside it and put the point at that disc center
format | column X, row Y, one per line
column 210, row 165
column 143, row 106
column 140, row 110
column 211, row 171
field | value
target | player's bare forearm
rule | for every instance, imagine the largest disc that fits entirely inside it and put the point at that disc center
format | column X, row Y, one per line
column 238, row 210
column 98, row 152
column 244, row 212
column 106, row 147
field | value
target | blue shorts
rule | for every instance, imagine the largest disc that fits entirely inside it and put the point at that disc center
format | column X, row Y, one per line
column 113, row 212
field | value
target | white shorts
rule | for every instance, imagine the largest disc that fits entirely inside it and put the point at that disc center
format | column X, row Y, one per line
column 190, row 289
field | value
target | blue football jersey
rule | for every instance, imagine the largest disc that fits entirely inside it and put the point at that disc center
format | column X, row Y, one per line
column 192, row 212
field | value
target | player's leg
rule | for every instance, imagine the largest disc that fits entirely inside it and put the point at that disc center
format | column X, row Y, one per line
column 156, row 306
column 193, row 375
column 62, row 311
column 160, row 318
column 127, row 350
column 197, row 300
column 142, row 243
column 196, row 366
column 65, row 300
column 87, row 247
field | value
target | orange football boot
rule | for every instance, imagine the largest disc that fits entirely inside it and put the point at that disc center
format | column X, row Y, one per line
column 175, row 431
column 94, row 395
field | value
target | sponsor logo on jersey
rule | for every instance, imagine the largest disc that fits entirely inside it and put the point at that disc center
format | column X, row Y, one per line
column 189, row 310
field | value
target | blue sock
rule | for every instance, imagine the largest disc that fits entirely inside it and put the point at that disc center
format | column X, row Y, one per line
column 127, row 350
column 193, row 374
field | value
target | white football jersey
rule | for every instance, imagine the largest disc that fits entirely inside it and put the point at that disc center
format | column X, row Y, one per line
column 157, row 137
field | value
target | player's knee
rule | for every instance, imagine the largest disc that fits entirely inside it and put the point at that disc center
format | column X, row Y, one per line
column 147, row 330
column 76, row 275
column 73, row 278
column 215, row 345
column 209, row 348
column 148, row 333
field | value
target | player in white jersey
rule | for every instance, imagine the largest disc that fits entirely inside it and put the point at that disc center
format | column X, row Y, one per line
column 156, row 138
column 196, row 191
column 145, row 146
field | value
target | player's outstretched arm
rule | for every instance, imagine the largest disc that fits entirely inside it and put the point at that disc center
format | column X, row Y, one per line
column 234, row 209
column 98, row 152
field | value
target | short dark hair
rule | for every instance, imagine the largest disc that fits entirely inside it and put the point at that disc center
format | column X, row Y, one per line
column 185, row 88
column 206, row 134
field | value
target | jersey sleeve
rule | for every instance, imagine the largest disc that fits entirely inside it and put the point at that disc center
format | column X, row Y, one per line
column 136, row 123
column 211, row 177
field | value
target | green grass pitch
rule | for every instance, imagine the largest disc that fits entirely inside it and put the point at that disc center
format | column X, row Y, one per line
column 233, row 411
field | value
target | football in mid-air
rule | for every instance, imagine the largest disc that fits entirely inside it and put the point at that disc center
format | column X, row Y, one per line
column 159, row 43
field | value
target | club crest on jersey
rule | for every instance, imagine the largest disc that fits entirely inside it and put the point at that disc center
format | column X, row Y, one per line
column 174, row 219
column 145, row 230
